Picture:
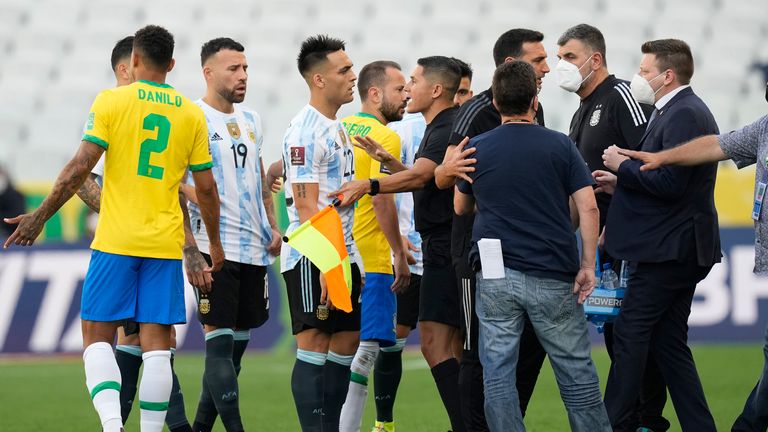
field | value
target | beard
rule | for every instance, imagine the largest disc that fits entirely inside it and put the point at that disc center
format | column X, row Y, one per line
column 391, row 112
column 231, row 97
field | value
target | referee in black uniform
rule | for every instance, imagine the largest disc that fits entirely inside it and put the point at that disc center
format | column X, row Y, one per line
column 475, row 117
column 608, row 115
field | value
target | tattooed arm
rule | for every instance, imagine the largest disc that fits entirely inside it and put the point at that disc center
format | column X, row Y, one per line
column 266, row 196
column 194, row 263
column 90, row 193
column 69, row 181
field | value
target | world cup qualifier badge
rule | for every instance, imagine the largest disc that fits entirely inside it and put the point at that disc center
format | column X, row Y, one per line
column 595, row 119
column 204, row 305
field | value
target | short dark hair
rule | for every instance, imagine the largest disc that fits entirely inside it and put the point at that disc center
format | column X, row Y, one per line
column 122, row 49
column 155, row 44
column 510, row 44
column 315, row 49
column 443, row 70
column 588, row 35
column 466, row 68
column 672, row 54
column 373, row 75
column 514, row 87
column 215, row 45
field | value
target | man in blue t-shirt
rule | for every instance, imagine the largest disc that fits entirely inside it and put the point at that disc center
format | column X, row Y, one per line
column 524, row 180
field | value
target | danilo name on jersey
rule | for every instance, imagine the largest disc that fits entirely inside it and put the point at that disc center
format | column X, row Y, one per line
column 160, row 97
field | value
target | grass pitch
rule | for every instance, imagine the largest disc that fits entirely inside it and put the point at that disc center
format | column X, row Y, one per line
column 49, row 394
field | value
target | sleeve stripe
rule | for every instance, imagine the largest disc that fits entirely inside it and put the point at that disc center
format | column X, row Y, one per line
column 463, row 122
column 634, row 107
column 98, row 141
column 200, row 167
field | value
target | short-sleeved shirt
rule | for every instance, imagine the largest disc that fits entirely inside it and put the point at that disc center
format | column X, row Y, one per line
column 411, row 130
column 433, row 206
column 316, row 150
column 524, row 177
column 370, row 239
column 152, row 135
column 476, row 116
column 235, row 140
column 747, row 146
column 610, row 115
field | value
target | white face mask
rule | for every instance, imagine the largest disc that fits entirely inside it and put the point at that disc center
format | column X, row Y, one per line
column 642, row 91
column 569, row 75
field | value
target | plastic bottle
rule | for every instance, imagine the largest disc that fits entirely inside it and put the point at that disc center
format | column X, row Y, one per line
column 609, row 281
column 624, row 274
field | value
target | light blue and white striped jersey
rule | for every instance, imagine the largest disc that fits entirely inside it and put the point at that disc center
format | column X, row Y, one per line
column 411, row 130
column 317, row 150
column 235, row 142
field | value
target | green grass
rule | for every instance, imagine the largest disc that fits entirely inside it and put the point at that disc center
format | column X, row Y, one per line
column 49, row 394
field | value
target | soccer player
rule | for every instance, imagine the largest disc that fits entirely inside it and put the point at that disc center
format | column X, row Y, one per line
column 464, row 93
column 381, row 85
column 135, row 269
column 319, row 158
column 433, row 85
column 128, row 347
column 238, row 300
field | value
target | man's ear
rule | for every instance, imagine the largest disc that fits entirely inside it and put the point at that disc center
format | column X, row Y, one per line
column 437, row 91
column 535, row 104
column 318, row 80
column 171, row 65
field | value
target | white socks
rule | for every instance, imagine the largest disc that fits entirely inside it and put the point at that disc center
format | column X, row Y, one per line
column 102, row 377
column 352, row 411
column 155, row 390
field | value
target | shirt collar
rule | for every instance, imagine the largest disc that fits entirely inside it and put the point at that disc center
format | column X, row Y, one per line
column 668, row 97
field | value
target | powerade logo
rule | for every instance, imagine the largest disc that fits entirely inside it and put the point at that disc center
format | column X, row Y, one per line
column 608, row 302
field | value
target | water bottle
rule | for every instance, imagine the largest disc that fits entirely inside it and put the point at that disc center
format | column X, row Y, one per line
column 623, row 275
column 609, row 281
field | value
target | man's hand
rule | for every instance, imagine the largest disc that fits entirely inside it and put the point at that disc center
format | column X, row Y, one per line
column 584, row 284
column 196, row 267
column 402, row 274
column 651, row 161
column 612, row 158
column 217, row 257
column 275, row 244
column 274, row 183
column 30, row 226
column 606, row 181
column 455, row 164
column 373, row 148
column 324, row 297
column 352, row 191
column 409, row 247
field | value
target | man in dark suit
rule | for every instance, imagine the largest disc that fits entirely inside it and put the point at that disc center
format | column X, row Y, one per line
column 665, row 223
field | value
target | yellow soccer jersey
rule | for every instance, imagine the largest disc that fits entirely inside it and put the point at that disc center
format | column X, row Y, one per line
column 370, row 239
column 152, row 135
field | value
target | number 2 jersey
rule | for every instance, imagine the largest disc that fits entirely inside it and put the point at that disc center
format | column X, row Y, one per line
column 316, row 150
column 152, row 135
column 235, row 142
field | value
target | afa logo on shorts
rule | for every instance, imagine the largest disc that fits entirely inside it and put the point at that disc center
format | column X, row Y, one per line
column 204, row 306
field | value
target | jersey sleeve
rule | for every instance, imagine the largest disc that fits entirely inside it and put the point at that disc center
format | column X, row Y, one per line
column 200, row 159
column 742, row 145
column 392, row 145
column 631, row 118
column 305, row 156
column 578, row 173
column 97, row 128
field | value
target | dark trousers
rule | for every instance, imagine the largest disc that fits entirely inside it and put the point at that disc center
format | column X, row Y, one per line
column 530, row 359
column 654, row 319
column 754, row 417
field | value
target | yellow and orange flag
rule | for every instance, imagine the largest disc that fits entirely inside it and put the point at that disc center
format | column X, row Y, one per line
column 321, row 240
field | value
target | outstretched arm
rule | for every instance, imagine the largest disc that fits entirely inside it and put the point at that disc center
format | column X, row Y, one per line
column 695, row 152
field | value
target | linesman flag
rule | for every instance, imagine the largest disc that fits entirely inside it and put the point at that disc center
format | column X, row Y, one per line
column 321, row 240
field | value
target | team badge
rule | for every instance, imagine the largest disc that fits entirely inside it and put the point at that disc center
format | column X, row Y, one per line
column 204, row 306
column 234, row 130
column 322, row 312
column 343, row 136
column 595, row 119
column 251, row 134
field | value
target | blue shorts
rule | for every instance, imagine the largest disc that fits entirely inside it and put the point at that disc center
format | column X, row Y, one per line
column 378, row 314
column 145, row 290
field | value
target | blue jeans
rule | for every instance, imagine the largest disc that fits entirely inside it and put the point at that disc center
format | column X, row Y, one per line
column 754, row 418
column 562, row 330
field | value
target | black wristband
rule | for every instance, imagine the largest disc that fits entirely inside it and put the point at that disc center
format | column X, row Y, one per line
column 374, row 187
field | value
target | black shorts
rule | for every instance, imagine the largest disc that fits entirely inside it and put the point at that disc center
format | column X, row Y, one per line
column 303, row 286
column 130, row 327
column 408, row 303
column 465, row 279
column 239, row 297
column 439, row 296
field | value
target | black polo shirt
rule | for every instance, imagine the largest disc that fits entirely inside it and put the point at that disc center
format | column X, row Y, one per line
column 433, row 207
column 610, row 115
column 476, row 116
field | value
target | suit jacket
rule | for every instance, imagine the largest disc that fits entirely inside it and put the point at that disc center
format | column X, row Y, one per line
column 656, row 215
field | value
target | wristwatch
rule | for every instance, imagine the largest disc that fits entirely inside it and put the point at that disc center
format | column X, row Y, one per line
column 374, row 187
